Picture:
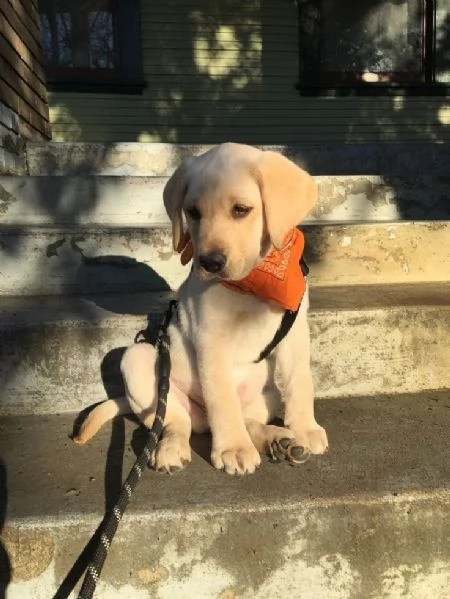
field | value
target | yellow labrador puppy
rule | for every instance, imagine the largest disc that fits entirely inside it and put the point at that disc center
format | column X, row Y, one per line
column 238, row 203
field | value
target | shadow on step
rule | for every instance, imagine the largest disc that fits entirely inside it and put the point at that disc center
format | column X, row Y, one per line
column 5, row 563
column 110, row 274
column 113, row 474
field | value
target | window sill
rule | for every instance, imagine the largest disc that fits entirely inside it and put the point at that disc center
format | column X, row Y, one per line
column 97, row 87
column 436, row 89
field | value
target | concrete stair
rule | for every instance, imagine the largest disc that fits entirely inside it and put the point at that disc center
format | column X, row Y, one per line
column 368, row 519
column 59, row 353
column 86, row 261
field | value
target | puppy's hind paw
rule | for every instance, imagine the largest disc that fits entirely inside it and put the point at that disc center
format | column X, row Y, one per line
column 289, row 451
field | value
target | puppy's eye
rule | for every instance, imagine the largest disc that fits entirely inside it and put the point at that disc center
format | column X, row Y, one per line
column 240, row 211
column 194, row 213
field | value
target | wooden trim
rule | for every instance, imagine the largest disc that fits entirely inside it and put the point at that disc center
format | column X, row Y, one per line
column 98, row 87
column 28, row 17
column 20, row 107
column 336, row 78
column 11, row 36
column 29, row 115
column 9, row 97
column 22, row 69
column 23, row 89
column 373, row 89
column 429, row 40
column 314, row 78
column 13, row 19
column 31, row 8
column 29, row 132
column 82, row 74
column 127, row 77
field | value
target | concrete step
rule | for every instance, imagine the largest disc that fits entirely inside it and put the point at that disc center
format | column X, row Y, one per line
column 58, row 354
column 39, row 260
column 131, row 201
column 158, row 159
column 368, row 519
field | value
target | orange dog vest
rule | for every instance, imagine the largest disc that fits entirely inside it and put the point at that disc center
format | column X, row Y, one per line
column 278, row 277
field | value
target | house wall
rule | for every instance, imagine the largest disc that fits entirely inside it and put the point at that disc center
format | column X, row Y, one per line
column 23, row 97
column 227, row 70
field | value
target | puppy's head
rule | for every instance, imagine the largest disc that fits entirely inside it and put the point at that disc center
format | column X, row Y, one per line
column 237, row 202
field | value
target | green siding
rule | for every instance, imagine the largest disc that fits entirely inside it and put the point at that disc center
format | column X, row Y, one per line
column 227, row 71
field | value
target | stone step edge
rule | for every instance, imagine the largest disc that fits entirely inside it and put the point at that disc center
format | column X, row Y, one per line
column 22, row 309
column 52, row 260
column 91, row 226
column 375, row 330
column 193, row 513
column 59, row 157
column 28, row 200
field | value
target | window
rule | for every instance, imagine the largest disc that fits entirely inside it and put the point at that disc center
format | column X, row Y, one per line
column 374, row 44
column 92, row 45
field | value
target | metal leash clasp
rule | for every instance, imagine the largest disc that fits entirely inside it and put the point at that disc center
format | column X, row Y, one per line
column 162, row 338
column 146, row 336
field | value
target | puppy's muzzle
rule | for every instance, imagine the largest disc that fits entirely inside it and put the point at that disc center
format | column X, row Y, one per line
column 213, row 262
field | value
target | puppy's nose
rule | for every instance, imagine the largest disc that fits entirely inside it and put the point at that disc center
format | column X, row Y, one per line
column 213, row 262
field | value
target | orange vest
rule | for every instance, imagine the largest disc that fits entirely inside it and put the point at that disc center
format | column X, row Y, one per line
column 279, row 276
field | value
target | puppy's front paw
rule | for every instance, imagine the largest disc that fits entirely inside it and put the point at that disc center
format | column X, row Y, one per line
column 313, row 439
column 243, row 459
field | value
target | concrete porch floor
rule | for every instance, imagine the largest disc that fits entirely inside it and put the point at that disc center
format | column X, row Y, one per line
column 369, row 519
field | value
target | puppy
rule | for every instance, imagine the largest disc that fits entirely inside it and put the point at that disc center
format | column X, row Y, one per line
column 232, row 210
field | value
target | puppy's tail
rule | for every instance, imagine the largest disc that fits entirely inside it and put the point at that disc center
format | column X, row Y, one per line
column 104, row 412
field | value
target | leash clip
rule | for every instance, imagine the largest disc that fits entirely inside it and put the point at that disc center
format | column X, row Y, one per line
column 162, row 338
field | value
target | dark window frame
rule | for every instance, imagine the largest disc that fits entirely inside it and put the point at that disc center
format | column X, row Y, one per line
column 314, row 82
column 127, row 77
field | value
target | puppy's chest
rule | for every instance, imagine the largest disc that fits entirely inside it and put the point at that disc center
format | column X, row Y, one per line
column 219, row 318
column 245, row 333
column 252, row 334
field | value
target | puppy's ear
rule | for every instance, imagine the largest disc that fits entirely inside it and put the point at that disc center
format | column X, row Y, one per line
column 288, row 193
column 173, row 196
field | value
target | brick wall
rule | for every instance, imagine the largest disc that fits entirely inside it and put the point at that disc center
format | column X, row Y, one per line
column 23, row 93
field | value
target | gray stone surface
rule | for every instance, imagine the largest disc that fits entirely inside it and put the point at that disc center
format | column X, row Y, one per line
column 12, row 146
column 158, row 159
column 60, row 353
column 84, row 260
column 131, row 201
column 368, row 519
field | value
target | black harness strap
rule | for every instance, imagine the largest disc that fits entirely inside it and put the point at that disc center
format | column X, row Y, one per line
column 286, row 322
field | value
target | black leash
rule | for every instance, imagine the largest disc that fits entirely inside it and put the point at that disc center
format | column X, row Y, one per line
column 111, row 522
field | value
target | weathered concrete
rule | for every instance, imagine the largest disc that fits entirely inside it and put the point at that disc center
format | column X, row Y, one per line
column 58, row 354
column 158, row 159
column 61, row 260
column 68, row 260
column 131, row 201
column 368, row 519
column 12, row 146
